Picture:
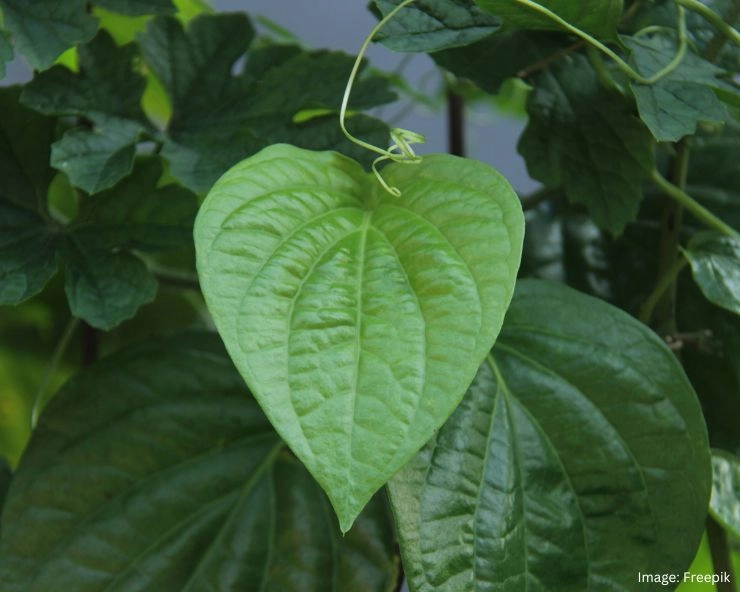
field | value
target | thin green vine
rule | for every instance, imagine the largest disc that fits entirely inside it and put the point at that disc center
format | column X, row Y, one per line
column 693, row 206
column 402, row 139
column 716, row 19
column 664, row 283
column 401, row 148
column 621, row 64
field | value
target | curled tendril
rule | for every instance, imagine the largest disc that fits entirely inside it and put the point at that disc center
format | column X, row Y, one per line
column 400, row 150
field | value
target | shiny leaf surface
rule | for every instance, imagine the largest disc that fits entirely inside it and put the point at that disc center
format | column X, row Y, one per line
column 580, row 435
column 357, row 319
column 715, row 262
column 155, row 470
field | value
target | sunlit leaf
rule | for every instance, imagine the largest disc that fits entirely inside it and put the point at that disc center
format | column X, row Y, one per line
column 358, row 319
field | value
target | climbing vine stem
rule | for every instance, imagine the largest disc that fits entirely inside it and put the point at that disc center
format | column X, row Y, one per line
column 400, row 149
column 716, row 19
column 621, row 64
column 693, row 206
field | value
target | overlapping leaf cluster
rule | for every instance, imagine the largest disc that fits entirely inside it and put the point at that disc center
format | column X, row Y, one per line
column 86, row 119
column 580, row 439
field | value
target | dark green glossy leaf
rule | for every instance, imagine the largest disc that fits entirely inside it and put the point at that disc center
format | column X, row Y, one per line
column 358, row 319
column 27, row 253
column 105, row 288
column 42, row 39
column 586, row 140
column 715, row 262
column 107, row 91
column 489, row 62
column 431, row 25
column 579, row 436
column 138, row 214
column 155, row 470
column 219, row 118
column 673, row 107
column 6, row 52
column 725, row 503
column 598, row 17
column 138, row 7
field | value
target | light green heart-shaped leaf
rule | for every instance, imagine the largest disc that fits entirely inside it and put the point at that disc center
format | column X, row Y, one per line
column 357, row 319
column 566, row 465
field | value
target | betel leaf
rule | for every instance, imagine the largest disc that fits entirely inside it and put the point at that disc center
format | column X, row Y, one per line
column 715, row 263
column 597, row 17
column 138, row 214
column 155, row 470
column 6, row 52
column 220, row 117
column 586, row 139
column 42, row 39
column 431, row 25
column 674, row 105
column 107, row 91
column 580, row 435
column 138, row 7
column 725, row 503
column 356, row 318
